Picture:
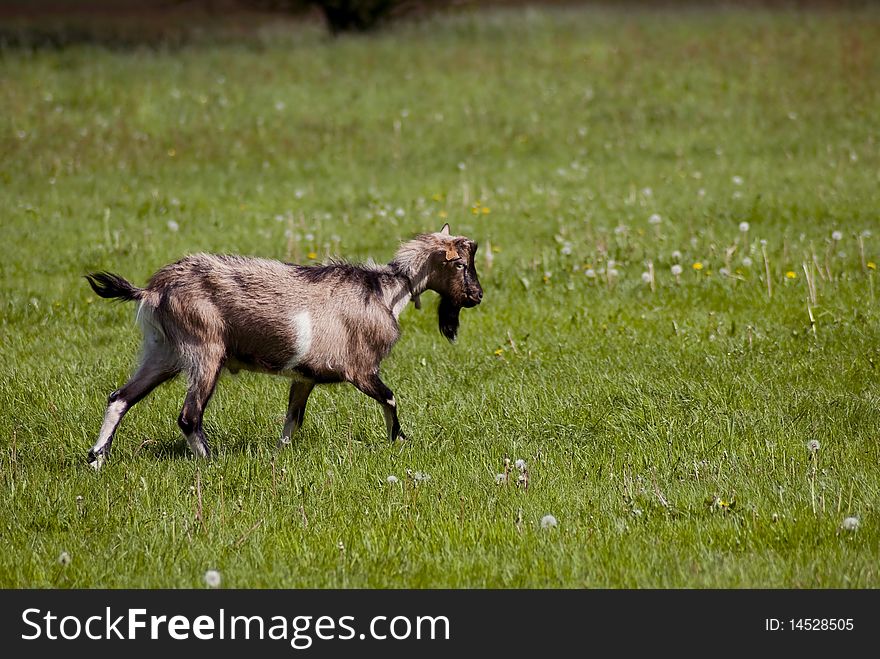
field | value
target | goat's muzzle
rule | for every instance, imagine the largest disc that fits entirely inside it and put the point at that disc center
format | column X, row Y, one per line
column 473, row 297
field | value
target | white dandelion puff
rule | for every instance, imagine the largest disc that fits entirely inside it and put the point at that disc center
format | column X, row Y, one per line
column 520, row 464
column 836, row 235
column 850, row 524
column 212, row 579
column 590, row 273
column 64, row 559
column 173, row 226
column 744, row 227
column 500, row 478
column 813, row 445
column 676, row 255
column 655, row 219
column 548, row 522
column 391, row 480
column 676, row 269
column 747, row 262
column 737, row 180
column 646, row 277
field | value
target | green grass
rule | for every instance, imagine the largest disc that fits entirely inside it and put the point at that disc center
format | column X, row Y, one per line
column 634, row 409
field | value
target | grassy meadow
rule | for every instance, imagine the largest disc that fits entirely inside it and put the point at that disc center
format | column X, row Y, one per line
column 679, row 222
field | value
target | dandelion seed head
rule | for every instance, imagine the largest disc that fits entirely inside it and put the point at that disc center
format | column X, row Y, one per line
column 64, row 559
column 744, row 227
column 747, row 262
column 589, row 272
column 391, row 480
column 500, row 478
column 646, row 277
column 676, row 269
column 173, row 226
column 676, row 255
column 212, row 579
column 836, row 235
column 548, row 522
column 850, row 524
column 655, row 219
column 813, row 445
column 737, row 180
column 520, row 464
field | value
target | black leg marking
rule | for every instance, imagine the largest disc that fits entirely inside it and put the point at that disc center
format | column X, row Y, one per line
column 148, row 377
column 201, row 388
column 373, row 387
column 296, row 410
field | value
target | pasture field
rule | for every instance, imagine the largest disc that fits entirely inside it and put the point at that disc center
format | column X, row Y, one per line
column 665, row 420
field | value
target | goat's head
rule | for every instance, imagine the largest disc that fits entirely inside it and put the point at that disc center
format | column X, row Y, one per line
column 454, row 277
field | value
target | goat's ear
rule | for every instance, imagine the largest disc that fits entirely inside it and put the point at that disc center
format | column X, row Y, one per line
column 447, row 314
column 445, row 230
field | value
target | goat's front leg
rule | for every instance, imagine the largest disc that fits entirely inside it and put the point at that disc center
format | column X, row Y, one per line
column 296, row 410
column 376, row 389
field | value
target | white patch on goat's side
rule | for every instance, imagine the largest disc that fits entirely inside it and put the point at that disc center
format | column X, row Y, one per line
column 112, row 417
column 302, row 327
column 391, row 402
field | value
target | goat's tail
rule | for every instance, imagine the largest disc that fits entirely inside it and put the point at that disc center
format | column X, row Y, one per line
column 108, row 285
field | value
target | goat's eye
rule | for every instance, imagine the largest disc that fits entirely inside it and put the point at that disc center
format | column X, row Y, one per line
column 459, row 266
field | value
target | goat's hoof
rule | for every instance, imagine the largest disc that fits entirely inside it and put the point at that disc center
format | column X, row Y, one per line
column 401, row 437
column 96, row 460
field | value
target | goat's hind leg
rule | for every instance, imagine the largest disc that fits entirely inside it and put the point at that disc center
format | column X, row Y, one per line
column 296, row 409
column 378, row 391
column 150, row 375
column 202, row 380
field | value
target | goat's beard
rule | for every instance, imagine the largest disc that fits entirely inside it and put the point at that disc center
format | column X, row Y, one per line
column 447, row 314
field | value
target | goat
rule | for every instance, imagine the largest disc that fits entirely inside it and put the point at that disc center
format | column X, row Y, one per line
column 317, row 324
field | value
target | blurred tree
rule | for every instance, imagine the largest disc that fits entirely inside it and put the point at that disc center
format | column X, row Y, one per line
column 349, row 15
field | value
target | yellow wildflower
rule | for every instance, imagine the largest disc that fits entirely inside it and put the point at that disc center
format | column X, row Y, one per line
column 697, row 266
column 443, row 215
column 312, row 255
column 791, row 275
column 499, row 352
column 486, row 210
column 872, row 265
